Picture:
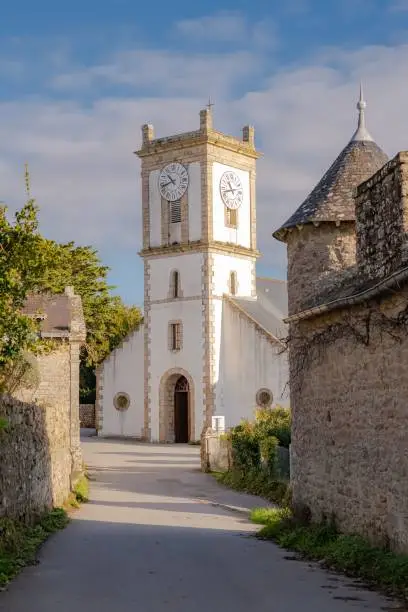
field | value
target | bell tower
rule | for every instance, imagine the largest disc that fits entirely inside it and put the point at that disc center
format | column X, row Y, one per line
column 199, row 243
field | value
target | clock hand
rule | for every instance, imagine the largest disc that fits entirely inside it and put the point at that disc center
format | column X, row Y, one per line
column 165, row 184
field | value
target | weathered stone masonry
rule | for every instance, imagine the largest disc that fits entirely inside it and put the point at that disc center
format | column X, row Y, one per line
column 40, row 455
column 349, row 379
column 348, row 343
column 382, row 219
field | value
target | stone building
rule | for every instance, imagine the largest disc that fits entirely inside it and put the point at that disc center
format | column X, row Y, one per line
column 62, row 322
column 40, row 453
column 211, row 340
column 348, row 343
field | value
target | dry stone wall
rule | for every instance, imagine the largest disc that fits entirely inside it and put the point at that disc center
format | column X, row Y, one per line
column 35, row 459
column 40, row 455
column 87, row 415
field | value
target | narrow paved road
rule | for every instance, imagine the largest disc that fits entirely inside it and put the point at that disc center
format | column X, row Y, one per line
column 156, row 537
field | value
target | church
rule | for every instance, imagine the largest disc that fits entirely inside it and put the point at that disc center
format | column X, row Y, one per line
column 210, row 350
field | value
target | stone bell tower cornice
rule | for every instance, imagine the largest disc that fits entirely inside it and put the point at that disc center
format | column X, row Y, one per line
column 204, row 136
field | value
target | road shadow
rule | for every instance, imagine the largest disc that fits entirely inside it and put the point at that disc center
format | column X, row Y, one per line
column 108, row 566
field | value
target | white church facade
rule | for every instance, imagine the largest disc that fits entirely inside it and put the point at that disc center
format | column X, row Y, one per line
column 211, row 341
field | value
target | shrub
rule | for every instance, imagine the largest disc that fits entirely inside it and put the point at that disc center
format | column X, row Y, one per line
column 255, row 482
column 268, row 450
column 81, row 490
column 274, row 422
column 245, row 447
column 254, row 445
column 257, row 466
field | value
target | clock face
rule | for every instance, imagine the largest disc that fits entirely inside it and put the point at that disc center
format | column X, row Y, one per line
column 231, row 190
column 173, row 181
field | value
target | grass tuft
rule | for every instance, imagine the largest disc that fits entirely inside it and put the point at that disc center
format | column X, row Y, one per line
column 19, row 543
column 255, row 482
column 81, row 490
column 349, row 554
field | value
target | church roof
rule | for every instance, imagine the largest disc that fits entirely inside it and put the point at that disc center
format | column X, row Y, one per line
column 269, row 308
column 333, row 197
column 275, row 292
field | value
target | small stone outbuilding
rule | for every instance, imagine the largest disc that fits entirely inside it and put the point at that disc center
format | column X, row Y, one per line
column 40, row 453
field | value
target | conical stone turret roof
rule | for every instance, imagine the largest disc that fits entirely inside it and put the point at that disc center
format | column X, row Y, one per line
column 332, row 200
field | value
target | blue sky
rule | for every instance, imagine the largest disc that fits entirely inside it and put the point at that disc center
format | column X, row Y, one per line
column 78, row 80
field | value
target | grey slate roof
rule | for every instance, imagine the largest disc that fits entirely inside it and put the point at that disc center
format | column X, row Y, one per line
column 333, row 197
column 60, row 315
column 56, row 309
column 274, row 291
column 269, row 308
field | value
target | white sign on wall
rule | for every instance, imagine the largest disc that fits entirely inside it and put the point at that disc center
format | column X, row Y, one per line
column 218, row 424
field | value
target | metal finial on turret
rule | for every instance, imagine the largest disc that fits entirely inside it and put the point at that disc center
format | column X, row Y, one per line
column 361, row 133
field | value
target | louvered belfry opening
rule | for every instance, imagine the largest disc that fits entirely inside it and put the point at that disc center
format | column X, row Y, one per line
column 175, row 211
column 231, row 217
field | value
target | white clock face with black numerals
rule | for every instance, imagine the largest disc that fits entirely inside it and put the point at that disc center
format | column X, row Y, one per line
column 231, row 190
column 173, row 181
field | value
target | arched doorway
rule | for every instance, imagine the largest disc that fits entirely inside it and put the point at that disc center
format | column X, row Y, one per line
column 181, row 410
column 176, row 389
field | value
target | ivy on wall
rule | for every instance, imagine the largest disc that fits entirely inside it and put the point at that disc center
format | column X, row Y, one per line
column 361, row 326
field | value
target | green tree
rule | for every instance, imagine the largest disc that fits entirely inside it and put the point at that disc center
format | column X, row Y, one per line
column 22, row 265
column 29, row 262
column 108, row 319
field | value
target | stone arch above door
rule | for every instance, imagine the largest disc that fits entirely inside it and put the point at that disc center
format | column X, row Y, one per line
column 166, row 404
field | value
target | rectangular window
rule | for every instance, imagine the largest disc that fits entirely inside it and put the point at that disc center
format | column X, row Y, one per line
column 175, row 336
column 231, row 217
column 175, row 211
column 176, row 284
column 233, row 283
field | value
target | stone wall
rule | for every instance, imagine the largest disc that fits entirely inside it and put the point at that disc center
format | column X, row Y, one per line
column 217, row 456
column 35, row 458
column 40, row 454
column 349, row 389
column 382, row 219
column 87, row 415
column 216, row 452
column 59, row 387
column 317, row 257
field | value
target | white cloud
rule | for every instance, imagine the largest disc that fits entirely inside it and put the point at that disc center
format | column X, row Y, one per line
column 229, row 27
column 226, row 26
column 86, row 178
column 399, row 6
column 164, row 73
column 297, row 7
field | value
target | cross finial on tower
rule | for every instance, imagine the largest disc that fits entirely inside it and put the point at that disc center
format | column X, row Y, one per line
column 210, row 104
column 206, row 117
column 361, row 133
